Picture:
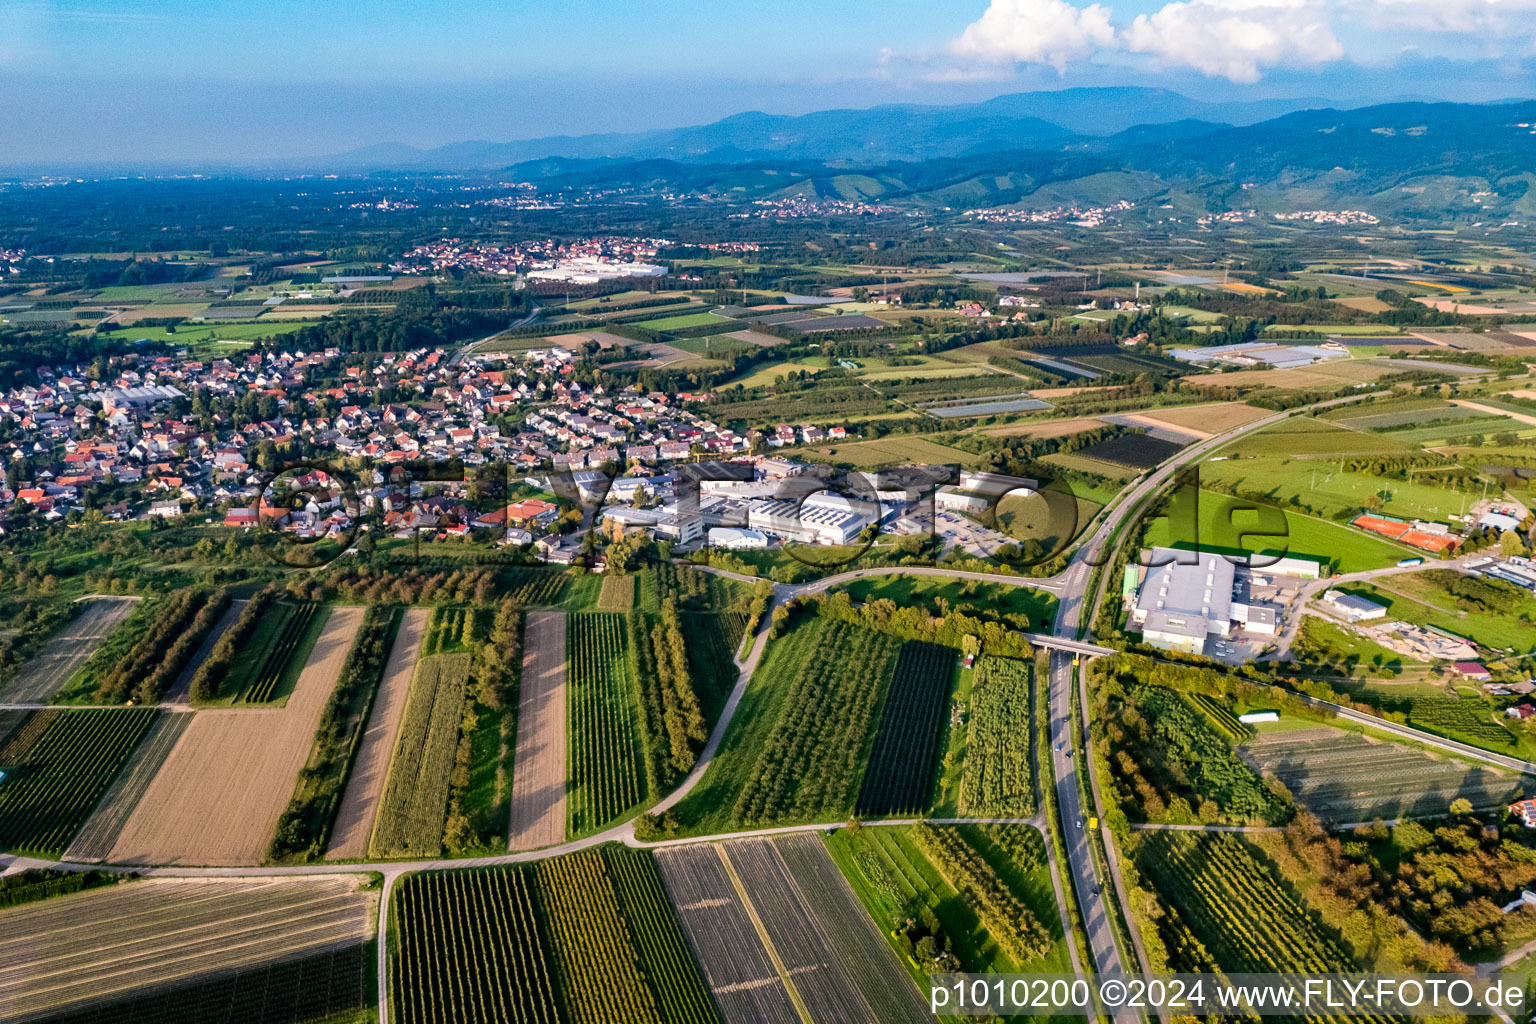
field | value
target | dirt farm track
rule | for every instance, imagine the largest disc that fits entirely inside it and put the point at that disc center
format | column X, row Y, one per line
column 218, row 798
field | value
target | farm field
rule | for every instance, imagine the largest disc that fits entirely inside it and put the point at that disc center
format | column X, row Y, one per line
column 412, row 808
column 795, row 749
column 833, row 957
column 809, row 765
column 1228, row 526
column 1234, row 905
column 1303, row 436
column 693, row 589
column 220, row 793
column 539, row 760
column 617, row 595
column 1133, row 451
column 890, row 451
column 58, row 764
column 1468, row 719
column 1205, row 420
column 1347, row 777
column 997, row 775
column 889, row 870
column 607, row 777
column 673, row 323
column 725, row 940
column 530, row 587
column 1328, row 374
column 365, row 783
column 587, row 937
column 277, row 648
column 161, row 949
column 712, row 640
column 1039, row 606
column 38, row 680
column 94, row 840
column 1081, row 463
column 902, row 762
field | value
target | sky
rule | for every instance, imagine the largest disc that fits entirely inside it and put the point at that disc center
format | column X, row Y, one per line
column 207, row 82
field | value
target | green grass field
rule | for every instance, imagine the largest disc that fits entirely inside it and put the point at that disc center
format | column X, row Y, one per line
column 1226, row 528
column 1304, row 435
column 675, row 323
column 1331, row 491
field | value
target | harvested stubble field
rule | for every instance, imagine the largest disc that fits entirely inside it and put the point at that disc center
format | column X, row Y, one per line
column 1346, row 777
column 538, row 772
column 219, row 796
column 113, row 945
column 43, row 676
column 413, row 807
column 354, row 819
column 1206, row 420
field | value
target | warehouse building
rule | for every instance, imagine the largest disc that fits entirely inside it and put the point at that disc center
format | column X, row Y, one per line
column 819, row 519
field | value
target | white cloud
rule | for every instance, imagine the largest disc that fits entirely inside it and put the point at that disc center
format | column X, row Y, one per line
column 1240, row 39
column 1235, row 38
column 1479, row 18
column 1050, row 32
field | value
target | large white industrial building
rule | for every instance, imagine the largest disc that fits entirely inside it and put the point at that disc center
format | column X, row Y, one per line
column 819, row 519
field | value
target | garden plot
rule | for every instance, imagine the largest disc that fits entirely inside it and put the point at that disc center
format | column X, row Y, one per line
column 219, row 796
column 114, row 945
column 43, row 676
column 538, row 771
column 1346, row 777
column 354, row 819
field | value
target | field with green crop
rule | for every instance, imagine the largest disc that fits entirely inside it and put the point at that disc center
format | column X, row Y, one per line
column 587, row 938
column 796, row 747
column 276, row 651
column 983, row 892
column 414, row 805
column 1225, row 908
column 1309, row 436
column 1333, row 492
column 57, row 766
column 607, row 776
column 997, row 779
